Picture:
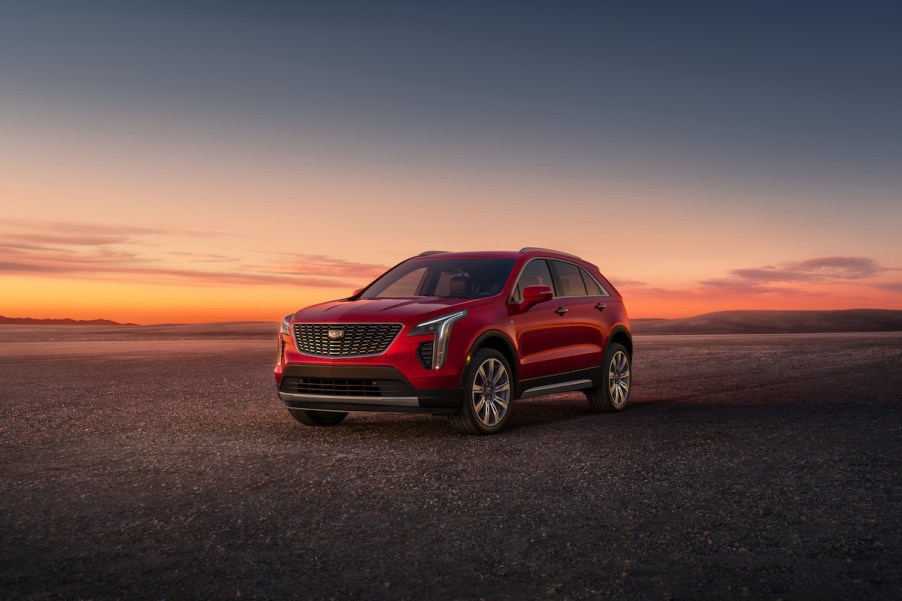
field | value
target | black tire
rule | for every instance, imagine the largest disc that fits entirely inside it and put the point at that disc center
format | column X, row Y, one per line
column 485, row 411
column 317, row 418
column 614, row 392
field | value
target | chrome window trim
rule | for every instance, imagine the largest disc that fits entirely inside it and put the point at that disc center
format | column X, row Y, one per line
column 604, row 291
column 294, row 337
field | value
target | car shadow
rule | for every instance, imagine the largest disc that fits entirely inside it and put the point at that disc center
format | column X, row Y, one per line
column 525, row 414
column 550, row 409
column 538, row 415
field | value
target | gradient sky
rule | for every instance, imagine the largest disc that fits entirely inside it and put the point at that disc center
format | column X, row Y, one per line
column 209, row 161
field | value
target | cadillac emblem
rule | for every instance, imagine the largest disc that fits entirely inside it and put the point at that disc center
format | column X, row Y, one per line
column 336, row 334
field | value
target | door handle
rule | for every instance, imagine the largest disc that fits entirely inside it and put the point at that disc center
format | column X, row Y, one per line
column 601, row 306
column 561, row 310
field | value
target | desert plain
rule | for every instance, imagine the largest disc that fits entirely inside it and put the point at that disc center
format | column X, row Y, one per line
column 159, row 464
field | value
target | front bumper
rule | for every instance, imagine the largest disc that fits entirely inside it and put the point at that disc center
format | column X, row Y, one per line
column 343, row 387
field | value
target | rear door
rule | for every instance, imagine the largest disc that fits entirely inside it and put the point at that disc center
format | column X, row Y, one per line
column 585, row 300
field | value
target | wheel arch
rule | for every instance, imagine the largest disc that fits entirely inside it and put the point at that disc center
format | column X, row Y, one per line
column 620, row 335
column 497, row 340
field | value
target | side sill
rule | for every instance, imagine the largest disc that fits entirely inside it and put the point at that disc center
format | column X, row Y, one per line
column 555, row 388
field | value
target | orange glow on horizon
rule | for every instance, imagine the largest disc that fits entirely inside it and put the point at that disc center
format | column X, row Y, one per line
column 201, row 233
column 148, row 303
column 642, row 305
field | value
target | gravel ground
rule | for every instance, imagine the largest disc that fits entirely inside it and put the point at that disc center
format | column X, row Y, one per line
column 759, row 466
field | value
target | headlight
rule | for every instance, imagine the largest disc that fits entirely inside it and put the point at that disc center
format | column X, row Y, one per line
column 286, row 328
column 440, row 327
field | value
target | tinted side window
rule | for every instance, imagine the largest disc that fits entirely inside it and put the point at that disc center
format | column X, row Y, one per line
column 570, row 279
column 535, row 273
column 592, row 287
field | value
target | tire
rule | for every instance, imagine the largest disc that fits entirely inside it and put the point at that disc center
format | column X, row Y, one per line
column 317, row 418
column 614, row 393
column 488, row 392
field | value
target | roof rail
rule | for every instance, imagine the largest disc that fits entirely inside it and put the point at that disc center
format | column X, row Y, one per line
column 426, row 253
column 527, row 249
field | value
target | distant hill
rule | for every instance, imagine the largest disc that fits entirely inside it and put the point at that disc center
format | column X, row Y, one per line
column 775, row 322
column 60, row 322
column 64, row 332
column 721, row 322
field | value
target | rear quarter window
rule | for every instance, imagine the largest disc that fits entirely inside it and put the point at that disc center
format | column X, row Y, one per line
column 592, row 287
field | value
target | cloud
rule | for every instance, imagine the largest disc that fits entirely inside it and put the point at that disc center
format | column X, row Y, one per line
column 74, row 239
column 77, row 227
column 889, row 286
column 818, row 270
column 812, row 277
column 13, row 267
column 112, row 251
column 631, row 287
column 330, row 266
column 99, row 268
column 203, row 257
column 627, row 283
column 851, row 268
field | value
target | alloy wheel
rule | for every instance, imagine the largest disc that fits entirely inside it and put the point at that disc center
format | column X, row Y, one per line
column 619, row 378
column 491, row 392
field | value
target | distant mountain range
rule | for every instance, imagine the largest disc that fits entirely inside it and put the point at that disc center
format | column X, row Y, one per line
column 721, row 322
column 775, row 322
column 60, row 322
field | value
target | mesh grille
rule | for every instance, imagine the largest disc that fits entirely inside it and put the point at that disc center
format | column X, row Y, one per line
column 342, row 386
column 356, row 339
column 331, row 387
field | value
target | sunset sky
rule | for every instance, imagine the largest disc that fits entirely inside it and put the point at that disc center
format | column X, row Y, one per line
column 212, row 161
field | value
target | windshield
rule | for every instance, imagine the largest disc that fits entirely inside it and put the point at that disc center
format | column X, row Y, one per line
column 445, row 278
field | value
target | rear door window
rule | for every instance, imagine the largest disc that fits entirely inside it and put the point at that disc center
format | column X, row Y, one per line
column 570, row 279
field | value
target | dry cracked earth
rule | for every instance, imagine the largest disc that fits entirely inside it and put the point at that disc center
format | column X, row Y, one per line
column 757, row 466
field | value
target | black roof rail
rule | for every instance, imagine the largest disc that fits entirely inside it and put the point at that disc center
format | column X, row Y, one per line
column 426, row 253
column 527, row 249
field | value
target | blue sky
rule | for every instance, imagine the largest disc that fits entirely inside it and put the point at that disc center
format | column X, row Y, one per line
column 796, row 89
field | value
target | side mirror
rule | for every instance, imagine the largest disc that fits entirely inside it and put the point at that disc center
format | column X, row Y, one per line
column 533, row 295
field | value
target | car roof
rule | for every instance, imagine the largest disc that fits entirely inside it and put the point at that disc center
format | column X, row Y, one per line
column 527, row 252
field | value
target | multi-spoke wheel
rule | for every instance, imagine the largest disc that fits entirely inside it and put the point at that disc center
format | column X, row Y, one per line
column 491, row 392
column 619, row 378
column 614, row 392
column 488, row 389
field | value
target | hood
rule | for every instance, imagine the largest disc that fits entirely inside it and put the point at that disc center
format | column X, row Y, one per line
column 385, row 309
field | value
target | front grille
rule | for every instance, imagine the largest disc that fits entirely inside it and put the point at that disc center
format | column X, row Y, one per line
column 342, row 387
column 356, row 340
column 425, row 353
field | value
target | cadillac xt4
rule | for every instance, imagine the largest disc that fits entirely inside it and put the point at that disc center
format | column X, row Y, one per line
column 462, row 334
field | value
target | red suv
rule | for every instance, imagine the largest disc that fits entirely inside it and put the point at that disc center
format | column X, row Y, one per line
column 459, row 334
